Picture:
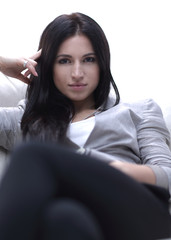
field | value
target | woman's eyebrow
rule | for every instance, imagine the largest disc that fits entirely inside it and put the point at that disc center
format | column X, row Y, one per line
column 64, row 55
column 88, row 54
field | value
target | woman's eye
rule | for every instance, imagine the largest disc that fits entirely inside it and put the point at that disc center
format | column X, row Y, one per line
column 64, row 61
column 89, row 59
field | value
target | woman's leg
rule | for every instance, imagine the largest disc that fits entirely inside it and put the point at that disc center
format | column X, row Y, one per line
column 68, row 219
column 39, row 173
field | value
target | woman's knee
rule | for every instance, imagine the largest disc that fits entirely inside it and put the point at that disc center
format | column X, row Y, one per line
column 70, row 219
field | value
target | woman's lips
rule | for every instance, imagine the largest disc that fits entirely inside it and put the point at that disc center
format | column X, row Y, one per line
column 77, row 86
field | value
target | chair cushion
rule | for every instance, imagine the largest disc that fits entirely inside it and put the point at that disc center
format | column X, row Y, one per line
column 11, row 91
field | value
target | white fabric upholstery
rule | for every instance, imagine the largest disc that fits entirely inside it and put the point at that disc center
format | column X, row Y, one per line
column 11, row 91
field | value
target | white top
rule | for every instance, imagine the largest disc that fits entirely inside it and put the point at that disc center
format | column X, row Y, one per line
column 78, row 132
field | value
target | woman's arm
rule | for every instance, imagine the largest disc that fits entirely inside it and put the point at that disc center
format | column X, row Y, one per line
column 13, row 67
column 153, row 141
column 10, row 130
column 140, row 173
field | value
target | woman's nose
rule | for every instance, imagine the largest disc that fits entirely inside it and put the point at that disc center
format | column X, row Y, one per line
column 77, row 71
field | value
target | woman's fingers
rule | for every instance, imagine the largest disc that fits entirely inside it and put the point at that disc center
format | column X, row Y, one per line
column 20, row 68
column 30, row 66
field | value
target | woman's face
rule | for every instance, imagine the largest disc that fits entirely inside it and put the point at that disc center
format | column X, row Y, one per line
column 76, row 69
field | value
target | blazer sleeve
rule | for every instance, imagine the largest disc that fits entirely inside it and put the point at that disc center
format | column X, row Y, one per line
column 10, row 120
column 154, row 141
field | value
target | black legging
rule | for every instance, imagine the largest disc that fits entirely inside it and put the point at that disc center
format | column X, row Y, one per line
column 50, row 192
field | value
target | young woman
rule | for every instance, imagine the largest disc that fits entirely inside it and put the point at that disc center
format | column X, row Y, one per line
column 91, row 167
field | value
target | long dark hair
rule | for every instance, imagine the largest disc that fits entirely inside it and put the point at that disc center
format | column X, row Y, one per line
column 48, row 112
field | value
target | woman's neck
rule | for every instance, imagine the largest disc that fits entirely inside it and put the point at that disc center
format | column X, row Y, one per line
column 83, row 110
column 83, row 115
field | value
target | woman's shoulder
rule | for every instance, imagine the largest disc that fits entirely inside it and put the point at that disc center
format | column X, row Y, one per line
column 139, row 111
column 142, row 107
column 141, row 104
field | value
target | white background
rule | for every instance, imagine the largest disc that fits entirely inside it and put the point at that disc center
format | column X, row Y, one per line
column 138, row 31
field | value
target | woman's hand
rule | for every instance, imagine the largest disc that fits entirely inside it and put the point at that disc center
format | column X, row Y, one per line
column 141, row 173
column 13, row 67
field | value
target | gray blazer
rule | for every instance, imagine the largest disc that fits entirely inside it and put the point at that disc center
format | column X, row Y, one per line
column 133, row 132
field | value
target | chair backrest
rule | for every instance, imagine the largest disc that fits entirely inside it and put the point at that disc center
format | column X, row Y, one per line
column 11, row 91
